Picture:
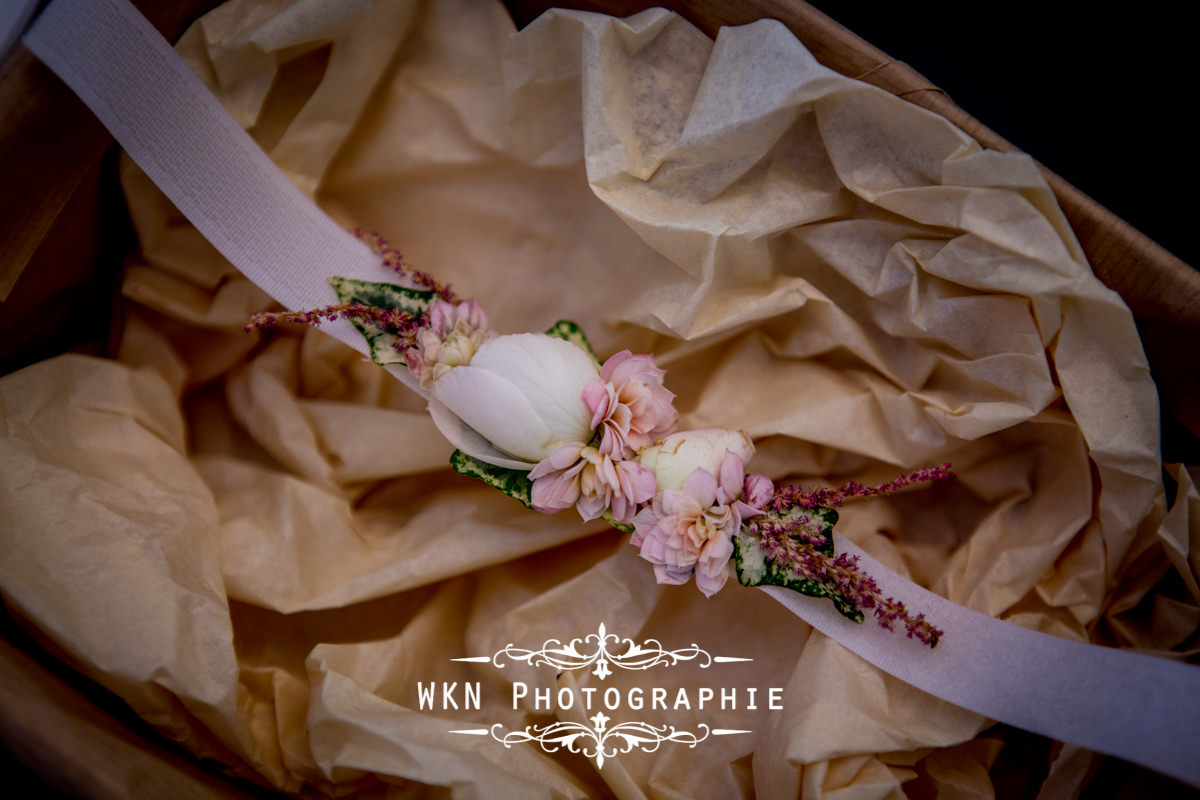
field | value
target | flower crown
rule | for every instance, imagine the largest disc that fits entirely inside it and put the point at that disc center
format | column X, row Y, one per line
column 542, row 419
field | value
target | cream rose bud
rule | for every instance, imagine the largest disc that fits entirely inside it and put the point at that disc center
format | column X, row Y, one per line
column 519, row 399
column 680, row 454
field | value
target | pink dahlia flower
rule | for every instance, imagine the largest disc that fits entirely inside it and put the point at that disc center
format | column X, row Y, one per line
column 453, row 335
column 582, row 476
column 690, row 530
column 629, row 404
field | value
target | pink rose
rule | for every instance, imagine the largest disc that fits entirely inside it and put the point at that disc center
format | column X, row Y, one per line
column 629, row 404
column 690, row 530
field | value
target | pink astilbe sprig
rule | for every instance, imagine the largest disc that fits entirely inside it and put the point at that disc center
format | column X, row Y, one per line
column 394, row 260
column 784, row 539
column 863, row 593
column 796, row 544
column 794, row 497
column 401, row 323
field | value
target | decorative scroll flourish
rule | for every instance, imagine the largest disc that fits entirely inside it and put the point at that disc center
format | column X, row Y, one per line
column 598, row 741
column 598, row 649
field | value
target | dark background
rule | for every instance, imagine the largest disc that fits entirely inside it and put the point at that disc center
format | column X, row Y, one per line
column 1100, row 94
column 1104, row 95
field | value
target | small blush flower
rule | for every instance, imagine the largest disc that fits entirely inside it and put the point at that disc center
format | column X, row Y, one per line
column 454, row 334
column 757, row 491
column 556, row 478
column 690, row 530
column 579, row 475
column 629, row 404
column 676, row 457
column 445, row 318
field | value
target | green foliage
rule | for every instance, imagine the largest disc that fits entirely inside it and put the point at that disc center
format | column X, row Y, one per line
column 569, row 331
column 513, row 482
column 382, row 295
column 755, row 567
column 621, row 526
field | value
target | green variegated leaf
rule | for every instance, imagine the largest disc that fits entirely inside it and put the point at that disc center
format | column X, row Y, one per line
column 382, row 295
column 569, row 331
column 621, row 526
column 755, row 568
column 513, row 482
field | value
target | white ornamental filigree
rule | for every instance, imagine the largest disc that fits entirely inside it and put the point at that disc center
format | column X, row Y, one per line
column 598, row 741
column 597, row 648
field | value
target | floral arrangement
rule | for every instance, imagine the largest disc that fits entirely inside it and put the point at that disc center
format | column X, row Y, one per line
column 542, row 419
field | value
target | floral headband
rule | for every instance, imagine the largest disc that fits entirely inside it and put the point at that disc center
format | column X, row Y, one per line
column 594, row 430
column 540, row 417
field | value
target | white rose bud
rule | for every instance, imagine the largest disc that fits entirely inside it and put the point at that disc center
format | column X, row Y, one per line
column 682, row 453
column 519, row 398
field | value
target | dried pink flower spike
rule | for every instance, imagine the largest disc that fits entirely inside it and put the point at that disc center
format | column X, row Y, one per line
column 797, row 543
column 793, row 497
column 393, row 260
column 399, row 322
